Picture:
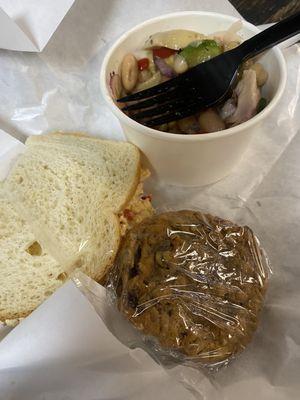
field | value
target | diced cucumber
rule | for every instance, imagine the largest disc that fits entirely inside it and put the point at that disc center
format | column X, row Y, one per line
column 200, row 51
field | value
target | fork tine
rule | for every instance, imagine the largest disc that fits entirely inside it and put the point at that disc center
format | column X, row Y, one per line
column 168, row 107
column 173, row 94
column 153, row 91
column 176, row 114
column 185, row 79
column 160, row 99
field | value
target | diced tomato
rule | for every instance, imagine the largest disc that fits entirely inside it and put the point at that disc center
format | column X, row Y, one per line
column 163, row 52
column 128, row 214
column 143, row 63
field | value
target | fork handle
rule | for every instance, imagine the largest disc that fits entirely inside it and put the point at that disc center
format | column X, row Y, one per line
column 276, row 34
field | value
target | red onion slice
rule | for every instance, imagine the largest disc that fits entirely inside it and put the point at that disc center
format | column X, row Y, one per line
column 163, row 67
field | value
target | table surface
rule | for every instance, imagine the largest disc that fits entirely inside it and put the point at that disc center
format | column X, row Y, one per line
column 265, row 11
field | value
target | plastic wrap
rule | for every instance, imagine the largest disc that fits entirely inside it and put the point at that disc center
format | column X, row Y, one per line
column 193, row 284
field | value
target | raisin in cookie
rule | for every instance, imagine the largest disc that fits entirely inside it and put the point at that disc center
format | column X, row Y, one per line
column 194, row 282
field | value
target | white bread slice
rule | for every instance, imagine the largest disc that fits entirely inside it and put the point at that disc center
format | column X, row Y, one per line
column 117, row 164
column 69, row 190
column 28, row 274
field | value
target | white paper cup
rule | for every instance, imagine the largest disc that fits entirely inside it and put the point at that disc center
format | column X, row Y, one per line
column 191, row 160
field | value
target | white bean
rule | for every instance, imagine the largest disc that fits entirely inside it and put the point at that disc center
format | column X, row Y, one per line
column 129, row 72
column 180, row 65
column 116, row 86
column 261, row 74
column 210, row 121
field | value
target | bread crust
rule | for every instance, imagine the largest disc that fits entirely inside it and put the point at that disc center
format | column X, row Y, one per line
column 136, row 181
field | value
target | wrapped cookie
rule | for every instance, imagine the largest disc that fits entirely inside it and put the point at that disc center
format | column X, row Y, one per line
column 192, row 284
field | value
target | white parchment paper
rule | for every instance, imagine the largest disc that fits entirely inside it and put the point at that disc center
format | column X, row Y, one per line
column 28, row 25
column 63, row 350
column 59, row 89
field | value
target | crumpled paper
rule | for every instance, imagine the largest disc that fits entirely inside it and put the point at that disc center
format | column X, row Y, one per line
column 59, row 89
column 28, row 25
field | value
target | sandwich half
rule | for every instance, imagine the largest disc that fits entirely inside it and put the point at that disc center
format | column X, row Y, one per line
column 62, row 209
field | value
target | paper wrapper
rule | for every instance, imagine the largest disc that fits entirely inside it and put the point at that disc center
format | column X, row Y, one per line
column 69, row 353
column 59, row 89
column 28, row 25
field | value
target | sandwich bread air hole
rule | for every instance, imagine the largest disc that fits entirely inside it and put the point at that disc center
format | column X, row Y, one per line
column 62, row 208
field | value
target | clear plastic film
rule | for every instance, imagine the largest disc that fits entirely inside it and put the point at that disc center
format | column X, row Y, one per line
column 193, row 285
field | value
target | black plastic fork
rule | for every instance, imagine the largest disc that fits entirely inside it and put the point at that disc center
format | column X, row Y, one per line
column 206, row 84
